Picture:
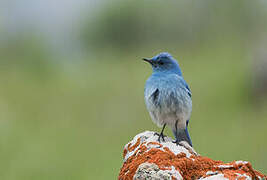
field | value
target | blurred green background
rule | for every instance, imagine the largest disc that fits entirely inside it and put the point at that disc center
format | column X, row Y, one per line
column 72, row 81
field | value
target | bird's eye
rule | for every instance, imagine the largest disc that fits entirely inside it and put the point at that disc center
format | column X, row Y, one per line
column 161, row 63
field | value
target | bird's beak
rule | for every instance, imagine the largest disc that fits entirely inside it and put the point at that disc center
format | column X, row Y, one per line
column 148, row 60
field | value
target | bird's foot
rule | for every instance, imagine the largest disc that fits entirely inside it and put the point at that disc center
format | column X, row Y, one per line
column 176, row 142
column 187, row 146
column 161, row 135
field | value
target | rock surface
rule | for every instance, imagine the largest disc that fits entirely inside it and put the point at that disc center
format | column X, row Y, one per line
column 146, row 158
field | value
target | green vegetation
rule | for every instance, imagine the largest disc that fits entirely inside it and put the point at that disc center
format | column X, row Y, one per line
column 73, row 124
column 70, row 119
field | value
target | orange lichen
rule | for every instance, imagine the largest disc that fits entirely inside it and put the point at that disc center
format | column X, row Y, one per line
column 155, row 143
column 131, row 148
column 124, row 152
column 190, row 168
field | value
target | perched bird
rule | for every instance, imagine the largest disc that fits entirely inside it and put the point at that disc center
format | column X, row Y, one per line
column 168, row 97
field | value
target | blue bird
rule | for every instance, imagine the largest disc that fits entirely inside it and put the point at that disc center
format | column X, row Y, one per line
column 168, row 97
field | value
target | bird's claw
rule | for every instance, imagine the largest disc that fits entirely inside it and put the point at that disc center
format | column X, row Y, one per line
column 186, row 146
column 176, row 142
column 161, row 135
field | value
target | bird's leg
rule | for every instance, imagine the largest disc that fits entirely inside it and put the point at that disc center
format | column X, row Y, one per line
column 161, row 135
column 176, row 138
column 182, row 137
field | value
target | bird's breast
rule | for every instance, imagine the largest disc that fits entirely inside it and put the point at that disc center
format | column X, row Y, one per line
column 168, row 99
column 165, row 97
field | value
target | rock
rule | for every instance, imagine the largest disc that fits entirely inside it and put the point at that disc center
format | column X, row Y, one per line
column 150, row 171
column 144, row 158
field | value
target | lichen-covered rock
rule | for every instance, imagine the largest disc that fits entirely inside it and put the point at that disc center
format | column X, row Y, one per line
column 150, row 171
column 146, row 158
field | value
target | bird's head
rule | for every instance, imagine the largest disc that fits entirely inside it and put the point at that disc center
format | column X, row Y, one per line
column 164, row 62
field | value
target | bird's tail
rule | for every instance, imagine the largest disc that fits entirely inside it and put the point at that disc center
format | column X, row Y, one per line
column 183, row 135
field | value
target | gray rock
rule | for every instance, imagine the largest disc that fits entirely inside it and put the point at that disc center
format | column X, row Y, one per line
column 149, row 171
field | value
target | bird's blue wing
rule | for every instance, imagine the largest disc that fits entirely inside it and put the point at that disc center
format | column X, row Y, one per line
column 189, row 91
column 187, row 87
column 176, row 80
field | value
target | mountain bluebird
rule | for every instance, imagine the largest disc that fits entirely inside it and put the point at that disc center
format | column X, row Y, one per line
column 168, row 97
